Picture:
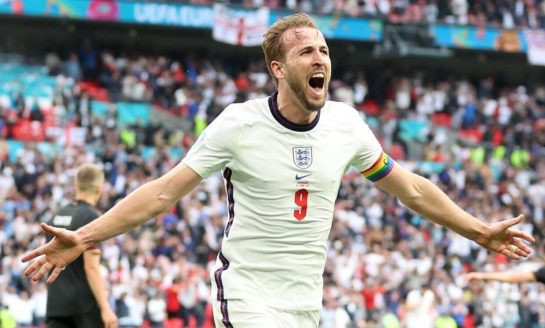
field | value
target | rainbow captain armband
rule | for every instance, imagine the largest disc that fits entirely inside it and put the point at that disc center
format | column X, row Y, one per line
column 383, row 165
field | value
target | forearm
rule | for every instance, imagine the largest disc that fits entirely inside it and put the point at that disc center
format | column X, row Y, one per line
column 497, row 276
column 432, row 203
column 146, row 202
column 97, row 287
column 510, row 277
column 423, row 197
column 138, row 207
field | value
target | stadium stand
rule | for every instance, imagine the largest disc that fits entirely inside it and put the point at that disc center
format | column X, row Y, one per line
column 498, row 13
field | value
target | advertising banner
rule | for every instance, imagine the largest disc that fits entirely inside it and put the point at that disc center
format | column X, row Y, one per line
column 191, row 16
column 481, row 38
column 187, row 15
column 168, row 14
column 182, row 15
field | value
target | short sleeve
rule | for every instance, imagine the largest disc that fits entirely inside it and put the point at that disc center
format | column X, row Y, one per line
column 540, row 275
column 216, row 145
column 90, row 215
column 370, row 159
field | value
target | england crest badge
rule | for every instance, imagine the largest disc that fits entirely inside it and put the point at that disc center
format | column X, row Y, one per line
column 302, row 156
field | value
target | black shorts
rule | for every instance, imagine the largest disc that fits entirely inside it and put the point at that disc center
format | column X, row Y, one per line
column 91, row 319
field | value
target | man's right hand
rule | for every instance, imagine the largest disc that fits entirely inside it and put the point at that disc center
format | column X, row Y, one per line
column 64, row 248
column 109, row 318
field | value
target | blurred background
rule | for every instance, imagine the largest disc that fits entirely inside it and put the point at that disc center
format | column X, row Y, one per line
column 453, row 89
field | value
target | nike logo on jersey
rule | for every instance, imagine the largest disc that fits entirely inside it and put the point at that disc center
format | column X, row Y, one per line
column 299, row 177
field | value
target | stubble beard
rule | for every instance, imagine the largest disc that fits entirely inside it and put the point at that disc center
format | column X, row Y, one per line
column 298, row 89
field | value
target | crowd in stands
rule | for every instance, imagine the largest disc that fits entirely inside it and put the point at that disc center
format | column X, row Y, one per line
column 497, row 13
column 481, row 142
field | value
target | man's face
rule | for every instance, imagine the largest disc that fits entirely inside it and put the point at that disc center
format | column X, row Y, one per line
column 307, row 66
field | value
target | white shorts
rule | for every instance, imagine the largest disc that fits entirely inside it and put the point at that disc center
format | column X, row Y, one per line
column 250, row 314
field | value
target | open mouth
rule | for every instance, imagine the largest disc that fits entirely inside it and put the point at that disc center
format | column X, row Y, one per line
column 316, row 82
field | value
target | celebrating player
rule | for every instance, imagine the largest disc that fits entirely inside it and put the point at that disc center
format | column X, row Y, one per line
column 282, row 159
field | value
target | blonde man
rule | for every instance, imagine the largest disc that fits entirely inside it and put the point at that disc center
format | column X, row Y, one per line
column 78, row 298
column 282, row 159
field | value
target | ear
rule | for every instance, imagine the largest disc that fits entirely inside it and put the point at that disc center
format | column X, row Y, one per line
column 277, row 68
column 98, row 190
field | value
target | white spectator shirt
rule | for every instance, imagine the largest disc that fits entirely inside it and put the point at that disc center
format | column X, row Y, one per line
column 420, row 314
column 282, row 180
column 157, row 309
column 21, row 309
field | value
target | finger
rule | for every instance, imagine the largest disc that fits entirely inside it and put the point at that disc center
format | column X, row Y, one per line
column 53, row 276
column 522, row 235
column 522, row 248
column 33, row 254
column 42, row 272
column 49, row 229
column 34, row 266
column 505, row 224
column 510, row 254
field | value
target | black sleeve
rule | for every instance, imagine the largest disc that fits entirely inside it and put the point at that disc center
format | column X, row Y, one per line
column 91, row 214
column 540, row 275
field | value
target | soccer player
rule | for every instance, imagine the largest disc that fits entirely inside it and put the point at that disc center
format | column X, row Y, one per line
column 78, row 298
column 282, row 159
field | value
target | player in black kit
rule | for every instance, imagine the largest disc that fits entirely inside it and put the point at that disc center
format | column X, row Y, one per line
column 78, row 299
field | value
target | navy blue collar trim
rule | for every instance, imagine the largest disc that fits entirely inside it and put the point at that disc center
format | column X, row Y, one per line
column 273, row 106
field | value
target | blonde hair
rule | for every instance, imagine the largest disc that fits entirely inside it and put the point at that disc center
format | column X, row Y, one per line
column 88, row 178
column 273, row 47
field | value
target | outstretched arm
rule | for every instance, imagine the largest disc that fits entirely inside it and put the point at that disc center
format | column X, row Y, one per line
column 91, row 265
column 146, row 202
column 425, row 198
column 510, row 277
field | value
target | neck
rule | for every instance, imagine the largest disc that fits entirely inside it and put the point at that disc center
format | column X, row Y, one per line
column 292, row 109
column 90, row 199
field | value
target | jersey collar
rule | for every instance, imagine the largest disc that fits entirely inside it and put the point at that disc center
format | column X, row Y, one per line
column 273, row 106
column 80, row 201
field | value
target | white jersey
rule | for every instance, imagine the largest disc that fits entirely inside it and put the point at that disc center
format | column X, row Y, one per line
column 282, row 180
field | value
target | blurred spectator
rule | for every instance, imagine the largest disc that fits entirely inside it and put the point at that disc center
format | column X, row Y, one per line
column 6, row 318
column 420, row 307
column 515, row 14
column 156, row 309
column 21, row 308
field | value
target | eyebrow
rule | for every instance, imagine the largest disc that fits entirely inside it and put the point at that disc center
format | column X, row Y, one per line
column 322, row 47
